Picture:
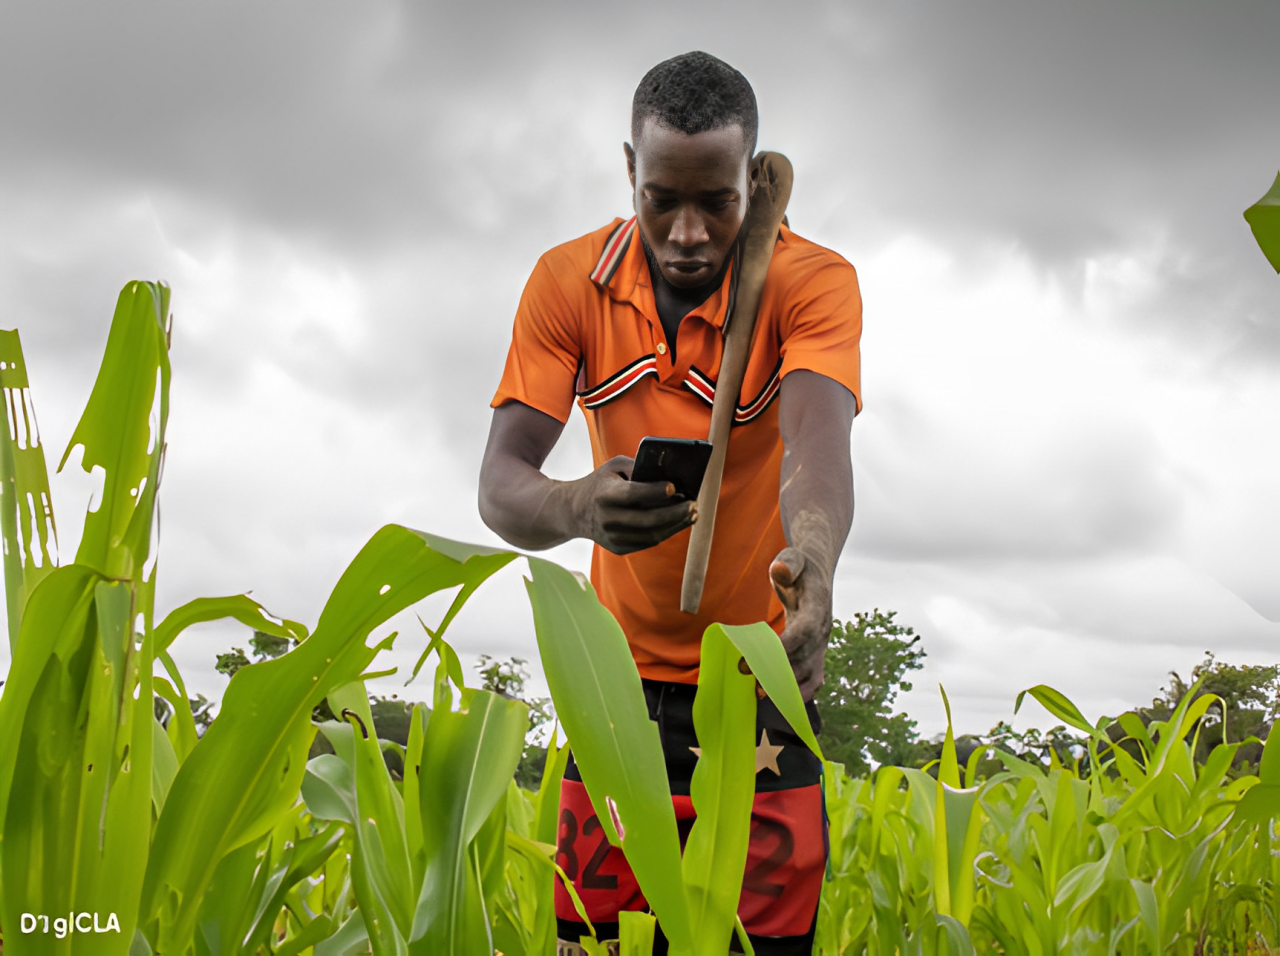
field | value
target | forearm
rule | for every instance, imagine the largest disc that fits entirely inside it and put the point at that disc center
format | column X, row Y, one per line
column 525, row 507
column 519, row 502
column 816, row 497
column 816, row 516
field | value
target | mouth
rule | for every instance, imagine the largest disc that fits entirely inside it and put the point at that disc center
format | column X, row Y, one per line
column 686, row 269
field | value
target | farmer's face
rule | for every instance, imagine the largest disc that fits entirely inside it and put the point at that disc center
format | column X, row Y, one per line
column 690, row 195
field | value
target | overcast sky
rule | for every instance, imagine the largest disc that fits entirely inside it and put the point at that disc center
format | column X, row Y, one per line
column 1068, row 466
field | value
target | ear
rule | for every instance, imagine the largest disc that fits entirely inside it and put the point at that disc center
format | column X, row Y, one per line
column 753, row 175
column 631, row 164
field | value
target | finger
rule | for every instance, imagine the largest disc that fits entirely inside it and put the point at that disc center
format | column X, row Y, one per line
column 627, row 542
column 787, row 566
column 641, row 494
column 616, row 521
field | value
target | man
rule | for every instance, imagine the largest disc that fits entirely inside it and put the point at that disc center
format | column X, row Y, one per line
column 629, row 319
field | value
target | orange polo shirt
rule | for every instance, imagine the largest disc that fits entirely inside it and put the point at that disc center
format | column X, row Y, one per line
column 588, row 326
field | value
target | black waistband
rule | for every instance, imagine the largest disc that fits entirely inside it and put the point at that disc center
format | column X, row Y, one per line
column 670, row 706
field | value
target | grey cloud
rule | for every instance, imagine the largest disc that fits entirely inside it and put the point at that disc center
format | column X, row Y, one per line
column 1089, row 489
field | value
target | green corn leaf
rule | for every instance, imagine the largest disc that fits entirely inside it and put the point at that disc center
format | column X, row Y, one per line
column 122, row 431
column 1080, row 884
column 1149, row 912
column 351, row 938
column 952, row 938
column 380, row 831
column 448, row 659
column 1057, row 703
column 312, row 934
column 884, row 796
column 1263, row 218
column 926, row 810
column 600, row 702
column 77, row 740
column 468, row 757
column 182, row 725
column 1269, row 764
column 768, row 662
column 1195, row 710
column 49, row 659
column 537, row 873
column 164, row 765
column 722, row 790
column 1209, row 777
column 240, row 607
column 547, row 803
column 949, row 766
column 1132, row 725
column 489, row 849
column 329, row 789
column 379, row 859
column 635, row 933
column 1261, row 802
column 963, row 820
column 410, row 790
column 226, row 911
column 26, row 506
column 308, row 856
column 248, row 767
column 1018, row 767
column 971, row 765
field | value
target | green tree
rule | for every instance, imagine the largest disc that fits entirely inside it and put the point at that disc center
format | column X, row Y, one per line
column 508, row 679
column 867, row 659
column 231, row 661
column 1250, row 692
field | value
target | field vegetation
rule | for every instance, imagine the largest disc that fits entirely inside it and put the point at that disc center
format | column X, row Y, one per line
column 304, row 817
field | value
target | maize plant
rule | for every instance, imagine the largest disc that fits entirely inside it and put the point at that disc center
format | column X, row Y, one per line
column 1145, row 853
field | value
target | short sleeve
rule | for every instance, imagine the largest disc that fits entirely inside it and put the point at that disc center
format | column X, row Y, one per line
column 823, row 325
column 542, row 363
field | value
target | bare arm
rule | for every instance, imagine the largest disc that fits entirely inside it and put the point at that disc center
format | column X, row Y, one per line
column 530, row 510
column 816, row 500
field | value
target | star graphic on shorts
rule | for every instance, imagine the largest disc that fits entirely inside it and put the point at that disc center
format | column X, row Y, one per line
column 766, row 753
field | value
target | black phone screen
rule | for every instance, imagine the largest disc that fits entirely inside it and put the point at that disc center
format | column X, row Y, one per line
column 681, row 461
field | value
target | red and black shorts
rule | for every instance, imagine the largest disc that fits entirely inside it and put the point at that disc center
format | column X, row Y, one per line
column 786, row 856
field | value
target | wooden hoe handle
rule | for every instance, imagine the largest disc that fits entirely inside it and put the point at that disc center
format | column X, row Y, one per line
column 764, row 218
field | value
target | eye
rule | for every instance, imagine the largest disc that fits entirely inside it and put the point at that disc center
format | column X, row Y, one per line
column 717, row 205
column 661, row 202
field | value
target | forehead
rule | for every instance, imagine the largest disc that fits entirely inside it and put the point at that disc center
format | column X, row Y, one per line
column 666, row 152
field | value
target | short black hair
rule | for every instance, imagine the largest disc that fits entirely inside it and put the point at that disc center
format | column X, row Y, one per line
column 696, row 92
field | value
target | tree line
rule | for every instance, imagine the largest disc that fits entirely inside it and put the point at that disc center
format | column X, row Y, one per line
column 869, row 661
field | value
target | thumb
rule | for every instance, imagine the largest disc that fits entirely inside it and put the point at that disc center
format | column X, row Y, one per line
column 785, row 573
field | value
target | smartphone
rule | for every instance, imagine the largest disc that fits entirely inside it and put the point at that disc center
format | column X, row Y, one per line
column 681, row 461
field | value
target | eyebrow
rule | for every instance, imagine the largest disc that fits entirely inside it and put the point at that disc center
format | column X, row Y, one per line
column 706, row 193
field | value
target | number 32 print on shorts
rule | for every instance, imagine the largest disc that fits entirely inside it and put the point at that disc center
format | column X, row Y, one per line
column 787, row 853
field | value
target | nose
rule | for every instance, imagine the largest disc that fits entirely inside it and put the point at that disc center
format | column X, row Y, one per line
column 688, row 229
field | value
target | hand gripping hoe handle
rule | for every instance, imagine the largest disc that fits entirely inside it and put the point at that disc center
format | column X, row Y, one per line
column 764, row 218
